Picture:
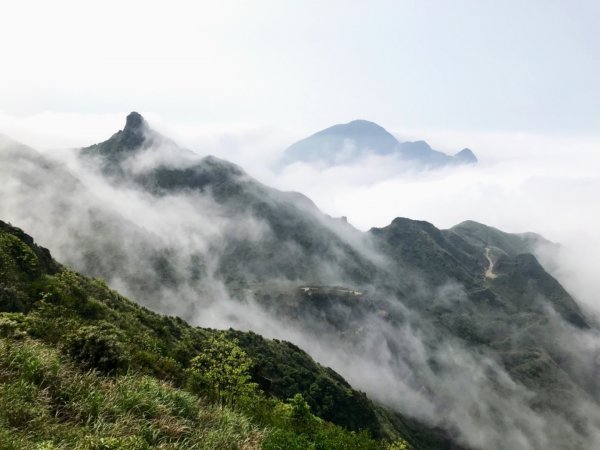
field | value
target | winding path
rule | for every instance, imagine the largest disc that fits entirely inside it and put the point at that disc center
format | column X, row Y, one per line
column 489, row 273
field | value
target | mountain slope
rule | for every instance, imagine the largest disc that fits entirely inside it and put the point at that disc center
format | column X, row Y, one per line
column 28, row 270
column 66, row 324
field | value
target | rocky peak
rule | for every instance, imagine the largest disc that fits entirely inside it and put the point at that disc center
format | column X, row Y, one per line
column 135, row 122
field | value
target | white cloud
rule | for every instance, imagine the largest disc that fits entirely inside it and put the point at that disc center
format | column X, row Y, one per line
column 512, row 192
column 524, row 182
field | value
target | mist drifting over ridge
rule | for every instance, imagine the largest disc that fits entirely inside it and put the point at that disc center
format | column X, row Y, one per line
column 557, row 173
column 133, row 234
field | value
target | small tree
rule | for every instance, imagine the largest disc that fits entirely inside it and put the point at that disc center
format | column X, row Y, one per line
column 300, row 409
column 222, row 371
column 303, row 420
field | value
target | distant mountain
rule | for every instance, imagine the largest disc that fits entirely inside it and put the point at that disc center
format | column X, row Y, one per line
column 345, row 143
column 461, row 332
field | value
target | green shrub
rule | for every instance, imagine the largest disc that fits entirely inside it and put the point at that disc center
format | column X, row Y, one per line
column 11, row 325
column 280, row 439
column 98, row 347
column 16, row 258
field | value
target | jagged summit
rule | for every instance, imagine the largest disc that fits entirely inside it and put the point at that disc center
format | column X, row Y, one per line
column 135, row 136
column 135, row 122
column 168, row 168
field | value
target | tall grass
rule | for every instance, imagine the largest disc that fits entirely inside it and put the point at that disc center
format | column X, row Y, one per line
column 46, row 403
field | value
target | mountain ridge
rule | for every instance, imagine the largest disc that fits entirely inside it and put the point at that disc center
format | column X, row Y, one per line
column 367, row 298
column 346, row 143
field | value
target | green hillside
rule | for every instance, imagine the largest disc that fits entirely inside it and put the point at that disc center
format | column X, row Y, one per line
column 83, row 367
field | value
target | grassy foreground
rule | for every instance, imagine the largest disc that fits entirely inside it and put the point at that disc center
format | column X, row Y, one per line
column 81, row 367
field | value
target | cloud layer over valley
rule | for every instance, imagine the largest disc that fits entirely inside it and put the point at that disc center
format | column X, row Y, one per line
column 384, row 337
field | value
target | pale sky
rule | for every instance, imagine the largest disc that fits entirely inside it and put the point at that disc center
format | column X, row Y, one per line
column 438, row 65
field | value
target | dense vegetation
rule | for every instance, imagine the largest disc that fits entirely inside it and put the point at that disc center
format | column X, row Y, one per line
column 82, row 367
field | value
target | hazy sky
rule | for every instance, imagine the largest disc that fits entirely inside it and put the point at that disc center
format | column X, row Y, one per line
column 433, row 65
column 517, row 81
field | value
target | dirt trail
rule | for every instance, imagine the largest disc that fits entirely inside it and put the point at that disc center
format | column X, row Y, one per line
column 490, row 272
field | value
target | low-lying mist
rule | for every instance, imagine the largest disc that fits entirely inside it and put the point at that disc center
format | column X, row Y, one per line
column 523, row 182
column 128, row 236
